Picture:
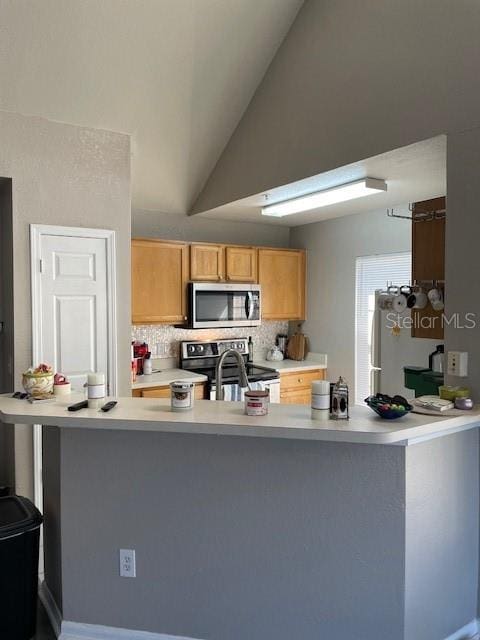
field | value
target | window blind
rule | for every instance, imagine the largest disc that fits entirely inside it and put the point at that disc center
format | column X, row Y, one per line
column 373, row 273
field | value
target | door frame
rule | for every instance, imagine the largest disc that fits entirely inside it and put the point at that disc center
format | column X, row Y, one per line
column 36, row 233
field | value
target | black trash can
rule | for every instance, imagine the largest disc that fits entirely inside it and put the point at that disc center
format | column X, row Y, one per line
column 20, row 524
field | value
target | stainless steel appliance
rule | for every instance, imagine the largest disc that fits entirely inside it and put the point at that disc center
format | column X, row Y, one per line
column 202, row 357
column 212, row 305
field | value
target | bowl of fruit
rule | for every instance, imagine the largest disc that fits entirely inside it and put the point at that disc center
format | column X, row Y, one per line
column 387, row 407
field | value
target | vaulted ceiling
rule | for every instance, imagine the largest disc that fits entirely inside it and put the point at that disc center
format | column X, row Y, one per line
column 176, row 74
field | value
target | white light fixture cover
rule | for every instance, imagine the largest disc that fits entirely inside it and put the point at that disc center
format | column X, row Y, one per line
column 342, row 193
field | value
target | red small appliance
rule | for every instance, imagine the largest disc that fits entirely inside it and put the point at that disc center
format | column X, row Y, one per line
column 140, row 350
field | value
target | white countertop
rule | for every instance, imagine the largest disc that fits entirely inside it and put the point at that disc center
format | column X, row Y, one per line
column 165, row 377
column 227, row 418
column 290, row 366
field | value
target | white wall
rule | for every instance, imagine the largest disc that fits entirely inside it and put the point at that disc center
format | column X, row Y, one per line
column 63, row 175
column 147, row 224
column 462, row 239
column 333, row 246
column 352, row 80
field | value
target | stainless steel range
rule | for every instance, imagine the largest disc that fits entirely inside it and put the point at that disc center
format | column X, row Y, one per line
column 202, row 357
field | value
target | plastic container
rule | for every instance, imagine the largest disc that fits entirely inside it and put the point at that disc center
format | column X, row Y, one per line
column 182, row 395
column 95, row 390
column 448, row 392
column 320, row 400
column 20, row 524
column 256, row 402
column 424, row 382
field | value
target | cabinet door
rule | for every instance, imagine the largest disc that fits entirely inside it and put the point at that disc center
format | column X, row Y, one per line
column 156, row 392
column 428, row 263
column 281, row 272
column 296, row 387
column 206, row 262
column 159, row 278
column 164, row 392
column 241, row 264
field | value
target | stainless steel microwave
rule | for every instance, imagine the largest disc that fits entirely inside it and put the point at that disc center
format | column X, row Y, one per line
column 223, row 305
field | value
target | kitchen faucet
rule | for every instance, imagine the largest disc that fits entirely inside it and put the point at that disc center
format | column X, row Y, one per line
column 243, row 378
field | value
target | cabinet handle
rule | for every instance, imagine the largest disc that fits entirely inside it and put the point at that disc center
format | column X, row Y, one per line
column 227, row 278
column 300, row 379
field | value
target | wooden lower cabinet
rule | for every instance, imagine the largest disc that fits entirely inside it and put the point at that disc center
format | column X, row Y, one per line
column 296, row 388
column 164, row 392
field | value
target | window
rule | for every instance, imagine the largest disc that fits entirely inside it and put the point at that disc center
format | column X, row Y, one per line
column 372, row 273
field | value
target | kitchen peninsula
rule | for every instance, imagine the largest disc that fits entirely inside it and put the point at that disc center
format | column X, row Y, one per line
column 273, row 527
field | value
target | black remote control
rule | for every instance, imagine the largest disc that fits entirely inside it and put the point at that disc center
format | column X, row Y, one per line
column 109, row 405
column 79, row 405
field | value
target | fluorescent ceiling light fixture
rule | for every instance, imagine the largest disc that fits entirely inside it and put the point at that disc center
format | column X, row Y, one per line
column 342, row 193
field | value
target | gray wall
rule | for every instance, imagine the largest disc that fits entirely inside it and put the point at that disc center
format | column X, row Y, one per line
column 73, row 176
column 333, row 247
column 462, row 248
column 7, row 444
column 146, row 224
column 6, row 286
column 352, row 80
column 52, row 530
column 441, row 571
column 235, row 537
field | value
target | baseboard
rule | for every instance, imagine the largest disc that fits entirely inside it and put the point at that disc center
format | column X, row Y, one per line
column 50, row 606
column 65, row 630
column 79, row 631
column 469, row 631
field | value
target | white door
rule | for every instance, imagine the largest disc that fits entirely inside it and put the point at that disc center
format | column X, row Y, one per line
column 72, row 295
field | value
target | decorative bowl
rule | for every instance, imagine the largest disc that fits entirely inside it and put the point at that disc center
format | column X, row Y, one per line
column 38, row 384
column 387, row 407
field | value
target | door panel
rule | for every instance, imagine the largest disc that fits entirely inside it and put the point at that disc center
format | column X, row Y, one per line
column 75, row 316
column 74, row 306
column 206, row 262
column 281, row 272
column 159, row 281
column 241, row 264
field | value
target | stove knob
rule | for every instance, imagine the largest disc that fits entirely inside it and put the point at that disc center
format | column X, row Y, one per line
column 199, row 348
column 191, row 348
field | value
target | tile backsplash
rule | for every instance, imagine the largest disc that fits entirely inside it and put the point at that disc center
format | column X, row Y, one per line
column 164, row 339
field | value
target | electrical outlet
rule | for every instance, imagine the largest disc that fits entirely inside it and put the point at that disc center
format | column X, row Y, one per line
column 127, row 563
column 457, row 364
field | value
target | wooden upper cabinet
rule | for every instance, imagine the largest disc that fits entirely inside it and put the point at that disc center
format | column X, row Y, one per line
column 281, row 272
column 159, row 279
column 428, row 242
column 207, row 262
column 241, row 264
column 428, row 264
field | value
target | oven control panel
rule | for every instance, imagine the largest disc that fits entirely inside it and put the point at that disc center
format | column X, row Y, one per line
column 199, row 349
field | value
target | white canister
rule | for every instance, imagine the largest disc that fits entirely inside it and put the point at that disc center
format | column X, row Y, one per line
column 95, row 390
column 181, row 395
column 320, row 400
column 256, row 402
column 64, row 389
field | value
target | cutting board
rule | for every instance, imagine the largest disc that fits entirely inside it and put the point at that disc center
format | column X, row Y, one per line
column 439, row 414
column 297, row 347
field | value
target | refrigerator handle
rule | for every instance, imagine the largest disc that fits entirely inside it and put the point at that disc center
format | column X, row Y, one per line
column 375, row 350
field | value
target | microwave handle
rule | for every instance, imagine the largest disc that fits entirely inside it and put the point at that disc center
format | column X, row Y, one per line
column 249, row 305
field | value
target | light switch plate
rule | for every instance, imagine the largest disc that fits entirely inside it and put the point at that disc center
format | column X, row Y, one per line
column 457, row 364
